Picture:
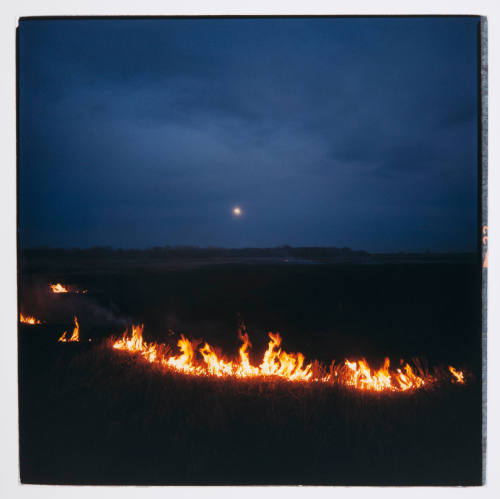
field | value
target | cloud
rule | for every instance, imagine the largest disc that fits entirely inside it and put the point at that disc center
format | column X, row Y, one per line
column 155, row 127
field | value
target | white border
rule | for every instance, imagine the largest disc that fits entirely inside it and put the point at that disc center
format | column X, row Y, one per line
column 9, row 484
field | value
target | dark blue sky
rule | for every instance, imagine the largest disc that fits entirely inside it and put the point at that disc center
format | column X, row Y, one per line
column 329, row 132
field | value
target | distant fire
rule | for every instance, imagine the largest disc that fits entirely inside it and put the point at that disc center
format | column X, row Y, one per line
column 74, row 337
column 29, row 319
column 278, row 363
column 58, row 288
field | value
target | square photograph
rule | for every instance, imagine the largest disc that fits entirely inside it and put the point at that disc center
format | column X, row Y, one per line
column 251, row 250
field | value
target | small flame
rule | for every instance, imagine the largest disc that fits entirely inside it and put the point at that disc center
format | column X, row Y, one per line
column 58, row 288
column 29, row 319
column 277, row 363
column 75, row 336
column 459, row 375
column 361, row 376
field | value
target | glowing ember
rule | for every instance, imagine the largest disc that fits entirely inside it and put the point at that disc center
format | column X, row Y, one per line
column 58, row 288
column 74, row 337
column 29, row 319
column 276, row 363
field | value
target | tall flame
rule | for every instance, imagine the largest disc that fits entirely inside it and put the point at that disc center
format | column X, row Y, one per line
column 277, row 363
column 183, row 362
column 75, row 336
column 245, row 368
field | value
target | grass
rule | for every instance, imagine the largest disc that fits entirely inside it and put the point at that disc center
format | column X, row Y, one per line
column 93, row 415
column 106, row 417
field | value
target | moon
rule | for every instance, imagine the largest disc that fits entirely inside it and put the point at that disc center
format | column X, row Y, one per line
column 237, row 211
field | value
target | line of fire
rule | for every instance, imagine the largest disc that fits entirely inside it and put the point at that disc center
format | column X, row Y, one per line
column 276, row 363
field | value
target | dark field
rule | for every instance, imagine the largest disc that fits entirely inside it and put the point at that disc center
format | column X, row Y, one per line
column 92, row 415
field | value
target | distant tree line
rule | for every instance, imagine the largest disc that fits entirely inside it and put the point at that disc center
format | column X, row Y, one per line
column 309, row 252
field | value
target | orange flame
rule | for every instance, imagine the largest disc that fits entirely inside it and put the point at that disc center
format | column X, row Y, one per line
column 29, row 319
column 361, row 376
column 245, row 368
column 58, row 288
column 183, row 362
column 276, row 363
column 75, row 336
column 459, row 375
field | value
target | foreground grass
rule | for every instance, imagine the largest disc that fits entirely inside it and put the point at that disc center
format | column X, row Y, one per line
column 89, row 414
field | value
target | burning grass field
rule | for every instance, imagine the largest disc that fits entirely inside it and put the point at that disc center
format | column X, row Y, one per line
column 94, row 414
